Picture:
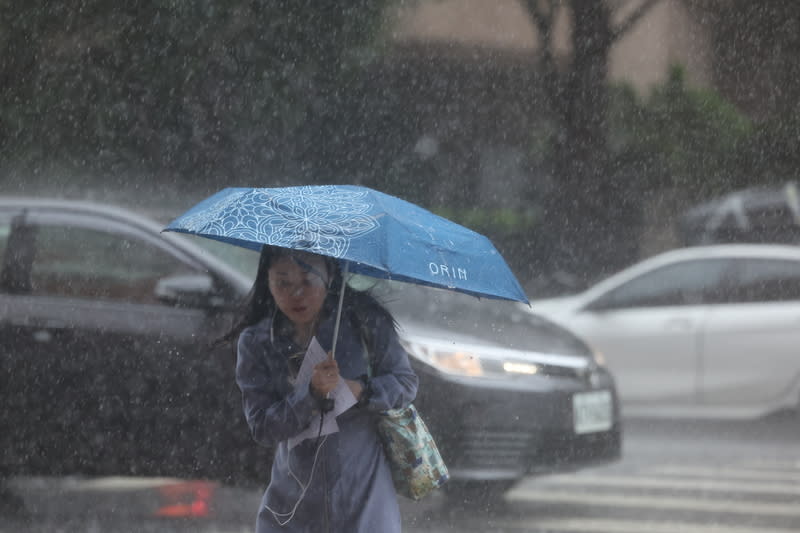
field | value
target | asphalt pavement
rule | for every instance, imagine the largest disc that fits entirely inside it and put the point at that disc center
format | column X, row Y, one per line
column 688, row 476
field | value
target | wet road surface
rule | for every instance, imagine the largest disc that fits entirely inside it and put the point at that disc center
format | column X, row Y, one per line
column 698, row 477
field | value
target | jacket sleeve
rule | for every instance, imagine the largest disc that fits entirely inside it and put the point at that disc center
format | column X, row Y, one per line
column 272, row 417
column 393, row 384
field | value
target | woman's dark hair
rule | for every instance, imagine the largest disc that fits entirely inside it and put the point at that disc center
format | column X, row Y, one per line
column 259, row 303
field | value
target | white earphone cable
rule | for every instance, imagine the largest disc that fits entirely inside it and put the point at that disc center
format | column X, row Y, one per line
column 303, row 487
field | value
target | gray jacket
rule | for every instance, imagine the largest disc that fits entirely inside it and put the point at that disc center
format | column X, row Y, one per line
column 351, row 488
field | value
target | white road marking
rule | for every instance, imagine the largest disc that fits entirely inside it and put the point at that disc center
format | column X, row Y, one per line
column 592, row 525
column 125, row 483
column 706, row 485
column 656, row 502
column 748, row 481
column 725, row 472
column 765, row 463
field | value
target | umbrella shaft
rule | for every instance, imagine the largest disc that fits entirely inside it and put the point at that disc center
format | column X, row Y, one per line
column 339, row 308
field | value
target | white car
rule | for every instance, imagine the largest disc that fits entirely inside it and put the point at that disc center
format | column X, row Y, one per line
column 711, row 331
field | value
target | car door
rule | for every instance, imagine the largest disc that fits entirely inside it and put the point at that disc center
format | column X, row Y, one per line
column 752, row 338
column 106, row 374
column 648, row 328
column 10, row 412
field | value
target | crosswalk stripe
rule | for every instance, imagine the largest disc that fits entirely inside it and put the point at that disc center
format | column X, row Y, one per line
column 655, row 502
column 727, row 472
column 778, row 465
column 591, row 525
column 708, row 485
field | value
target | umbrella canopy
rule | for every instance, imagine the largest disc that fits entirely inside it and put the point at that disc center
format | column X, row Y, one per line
column 372, row 233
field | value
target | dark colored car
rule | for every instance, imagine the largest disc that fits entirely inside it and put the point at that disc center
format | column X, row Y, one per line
column 506, row 393
column 107, row 367
column 105, row 359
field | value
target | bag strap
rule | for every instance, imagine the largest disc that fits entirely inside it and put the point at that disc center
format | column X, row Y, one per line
column 365, row 344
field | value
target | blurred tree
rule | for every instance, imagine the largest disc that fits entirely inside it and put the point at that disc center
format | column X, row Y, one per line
column 754, row 47
column 679, row 138
column 592, row 212
column 196, row 89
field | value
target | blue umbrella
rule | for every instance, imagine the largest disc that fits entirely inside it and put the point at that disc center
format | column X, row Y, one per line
column 372, row 233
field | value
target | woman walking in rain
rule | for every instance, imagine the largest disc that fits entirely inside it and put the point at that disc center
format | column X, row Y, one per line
column 339, row 482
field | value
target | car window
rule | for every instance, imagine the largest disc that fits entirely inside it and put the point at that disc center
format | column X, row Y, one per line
column 15, row 253
column 5, row 231
column 686, row 283
column 86, row 263
column 765, row 280
column 775, row 224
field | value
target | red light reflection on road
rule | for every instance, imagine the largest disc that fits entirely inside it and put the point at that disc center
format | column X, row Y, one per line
column 187, row 499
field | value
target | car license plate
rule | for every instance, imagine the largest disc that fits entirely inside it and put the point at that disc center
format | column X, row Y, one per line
column 592, row 411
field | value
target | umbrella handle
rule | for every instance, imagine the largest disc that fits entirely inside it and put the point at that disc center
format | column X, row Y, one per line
column 339, row 309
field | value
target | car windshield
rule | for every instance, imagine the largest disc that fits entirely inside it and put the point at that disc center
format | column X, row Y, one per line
column 499, row 322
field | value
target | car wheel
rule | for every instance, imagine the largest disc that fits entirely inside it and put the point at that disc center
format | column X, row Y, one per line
column 484, row 494
column 12, row 506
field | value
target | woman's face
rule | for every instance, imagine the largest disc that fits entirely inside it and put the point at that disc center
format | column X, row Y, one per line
column 299, row 285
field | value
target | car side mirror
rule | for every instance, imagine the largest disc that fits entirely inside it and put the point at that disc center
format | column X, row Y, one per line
column 188, row 290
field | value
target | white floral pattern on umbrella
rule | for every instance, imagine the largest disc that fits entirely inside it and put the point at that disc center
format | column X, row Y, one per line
column 371, row 233
column 327, row 218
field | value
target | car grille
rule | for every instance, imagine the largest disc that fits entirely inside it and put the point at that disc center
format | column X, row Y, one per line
column 519, row 452
column 490, row 449
column 561, row 449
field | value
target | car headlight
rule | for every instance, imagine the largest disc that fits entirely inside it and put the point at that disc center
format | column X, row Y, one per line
column 462, row 361
column 514, row 367
column 599, row 358
column 458, row 362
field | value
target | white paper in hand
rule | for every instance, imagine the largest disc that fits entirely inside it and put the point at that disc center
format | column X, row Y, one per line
column 342, row 397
